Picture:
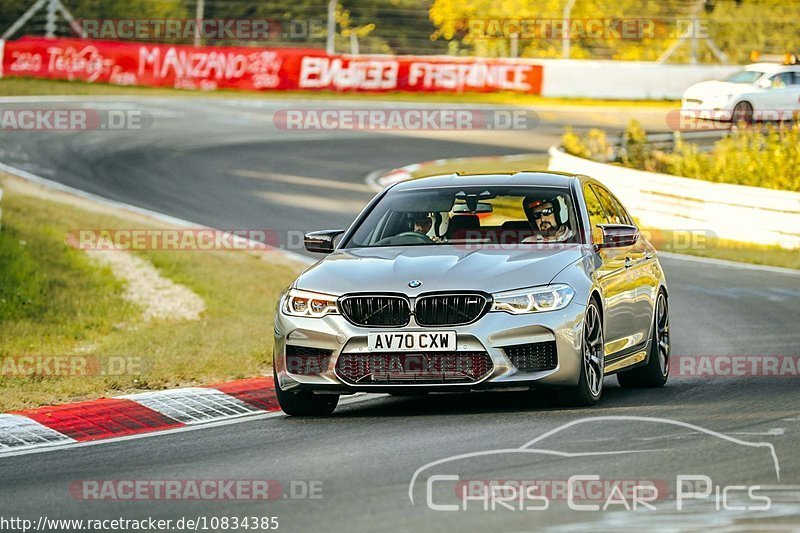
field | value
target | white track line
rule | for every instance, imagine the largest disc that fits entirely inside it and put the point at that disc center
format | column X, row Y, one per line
column 731, row 264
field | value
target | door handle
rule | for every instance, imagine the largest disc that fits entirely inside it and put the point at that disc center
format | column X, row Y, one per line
column 628, row 262
column 649, row 255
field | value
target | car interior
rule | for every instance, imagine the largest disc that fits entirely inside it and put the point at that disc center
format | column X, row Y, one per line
column 484, row 217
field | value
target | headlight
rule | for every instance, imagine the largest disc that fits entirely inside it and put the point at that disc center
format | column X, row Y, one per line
column 311, row 304
column 533, row 300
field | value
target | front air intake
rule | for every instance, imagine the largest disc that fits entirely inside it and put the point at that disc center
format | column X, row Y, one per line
column 533, row 357
column 375, row 310
column 451, row 309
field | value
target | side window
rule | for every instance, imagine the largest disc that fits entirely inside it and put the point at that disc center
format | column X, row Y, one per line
column 782, row 80
column 626, row 217
column 614, row 212
column 596, row 213
column 796, row 80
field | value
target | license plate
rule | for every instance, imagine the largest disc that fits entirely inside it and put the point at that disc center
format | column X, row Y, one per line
column 409, row 341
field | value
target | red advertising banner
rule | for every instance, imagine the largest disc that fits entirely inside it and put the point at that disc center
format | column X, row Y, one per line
column 209, row 68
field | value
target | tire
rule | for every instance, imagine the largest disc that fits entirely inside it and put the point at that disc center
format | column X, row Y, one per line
column 304, row 402
column 656, row 372
column 742, row 112
column 590, row 385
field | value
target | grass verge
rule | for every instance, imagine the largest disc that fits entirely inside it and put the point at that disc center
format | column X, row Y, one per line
column 55, row 302
column 12, row 86
column 743, row 252
column 722, row 249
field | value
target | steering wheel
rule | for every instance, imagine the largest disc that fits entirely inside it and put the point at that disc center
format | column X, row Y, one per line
column 407, row 237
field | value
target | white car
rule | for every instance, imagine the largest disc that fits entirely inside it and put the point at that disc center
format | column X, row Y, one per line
column 762, row 91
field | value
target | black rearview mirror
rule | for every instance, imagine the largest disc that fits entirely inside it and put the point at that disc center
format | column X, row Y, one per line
column 618, row 235
column 322, row 241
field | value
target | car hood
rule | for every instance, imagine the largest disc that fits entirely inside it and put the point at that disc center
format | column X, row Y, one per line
column 715, row 88
column 390, row 269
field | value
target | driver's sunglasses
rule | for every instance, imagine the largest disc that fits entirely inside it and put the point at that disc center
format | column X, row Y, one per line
column 546, row 212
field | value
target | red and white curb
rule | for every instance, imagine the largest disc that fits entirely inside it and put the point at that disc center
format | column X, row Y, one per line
column 135, row 414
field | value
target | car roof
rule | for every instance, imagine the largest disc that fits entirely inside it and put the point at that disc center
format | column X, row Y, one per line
column 525, row 178
column 771, row 68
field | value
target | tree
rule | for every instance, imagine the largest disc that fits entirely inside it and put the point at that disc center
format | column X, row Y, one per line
column 486, row 27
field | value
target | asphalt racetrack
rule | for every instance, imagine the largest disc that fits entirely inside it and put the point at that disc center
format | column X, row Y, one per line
column 223, row 163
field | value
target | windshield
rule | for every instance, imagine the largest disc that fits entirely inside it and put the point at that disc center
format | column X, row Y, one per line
column 473, row 215
column 745, row 76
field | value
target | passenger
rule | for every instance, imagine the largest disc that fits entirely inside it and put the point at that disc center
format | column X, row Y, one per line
column 544, row 216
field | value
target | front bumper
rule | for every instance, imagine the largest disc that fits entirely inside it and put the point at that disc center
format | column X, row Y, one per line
column 491, row 333
column 712, row 111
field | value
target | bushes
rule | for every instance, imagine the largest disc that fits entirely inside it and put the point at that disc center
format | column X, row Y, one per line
column 768, row 157
column 592, row 145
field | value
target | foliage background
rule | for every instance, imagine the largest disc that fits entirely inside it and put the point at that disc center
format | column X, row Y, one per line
column 441, row 26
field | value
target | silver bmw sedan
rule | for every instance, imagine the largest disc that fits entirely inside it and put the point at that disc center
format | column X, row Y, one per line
column 528, row 280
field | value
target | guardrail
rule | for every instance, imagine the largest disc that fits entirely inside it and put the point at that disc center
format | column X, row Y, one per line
column 635, row 80
column 736, row 212
column 666, row 141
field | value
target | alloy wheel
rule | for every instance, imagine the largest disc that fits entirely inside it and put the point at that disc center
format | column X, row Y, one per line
column 662, row 333
column 593, row 356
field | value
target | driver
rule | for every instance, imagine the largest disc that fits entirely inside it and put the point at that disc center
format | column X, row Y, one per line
column 543, row 214
column 422, row 224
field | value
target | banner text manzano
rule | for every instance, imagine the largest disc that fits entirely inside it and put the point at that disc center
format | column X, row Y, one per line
column 208, row 68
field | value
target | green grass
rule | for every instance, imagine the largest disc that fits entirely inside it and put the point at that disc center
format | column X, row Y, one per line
column 11, row 86
column 743, row 252
column 55, row 301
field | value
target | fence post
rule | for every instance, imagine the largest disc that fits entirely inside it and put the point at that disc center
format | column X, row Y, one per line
column 329, row 45
column 198, row 15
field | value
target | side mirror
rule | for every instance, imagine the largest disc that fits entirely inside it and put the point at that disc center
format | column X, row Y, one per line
column 618, row 235
column 322, row 241
column 764, row 83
